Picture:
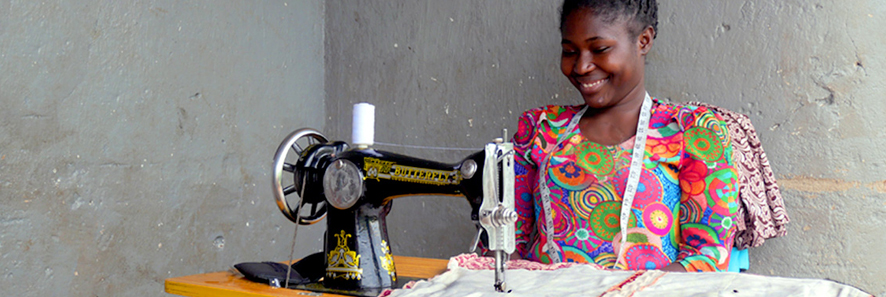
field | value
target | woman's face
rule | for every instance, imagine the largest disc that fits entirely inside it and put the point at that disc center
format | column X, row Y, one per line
column 603, row 59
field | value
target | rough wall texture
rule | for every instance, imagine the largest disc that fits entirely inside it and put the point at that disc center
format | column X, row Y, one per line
column 810, row 74
column 136, row 138
column 441, row 73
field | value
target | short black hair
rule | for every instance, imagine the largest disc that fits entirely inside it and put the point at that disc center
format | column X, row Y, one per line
column 644, row 13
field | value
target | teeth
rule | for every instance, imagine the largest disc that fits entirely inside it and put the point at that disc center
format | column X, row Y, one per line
column 593, row 84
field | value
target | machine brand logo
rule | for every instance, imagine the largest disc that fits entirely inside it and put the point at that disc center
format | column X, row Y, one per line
column 342, row 261
column 378, row 169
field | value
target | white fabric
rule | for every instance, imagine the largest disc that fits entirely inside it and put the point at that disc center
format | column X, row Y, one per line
column 585, row 280
column 476, row 283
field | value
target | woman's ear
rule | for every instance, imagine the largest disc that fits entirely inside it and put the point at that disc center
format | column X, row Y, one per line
column 645, row 40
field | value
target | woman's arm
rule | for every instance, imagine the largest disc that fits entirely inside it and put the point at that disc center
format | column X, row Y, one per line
column 709, row 185
column 524, row 183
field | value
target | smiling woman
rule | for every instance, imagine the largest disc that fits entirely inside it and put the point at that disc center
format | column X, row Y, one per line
column 623, row 180
column 603, row 59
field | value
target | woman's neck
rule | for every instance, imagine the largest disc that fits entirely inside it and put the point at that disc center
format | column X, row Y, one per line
column 615, row 124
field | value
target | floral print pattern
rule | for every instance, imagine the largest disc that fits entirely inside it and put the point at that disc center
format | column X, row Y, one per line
column 685, row 203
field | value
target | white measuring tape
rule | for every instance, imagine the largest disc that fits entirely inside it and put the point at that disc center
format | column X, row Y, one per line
column 630, row 189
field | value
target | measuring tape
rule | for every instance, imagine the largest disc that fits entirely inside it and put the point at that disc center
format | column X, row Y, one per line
column 630, row 189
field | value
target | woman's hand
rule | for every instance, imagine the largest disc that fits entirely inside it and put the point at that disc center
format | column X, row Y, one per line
column 515, row 256
column 674, row 267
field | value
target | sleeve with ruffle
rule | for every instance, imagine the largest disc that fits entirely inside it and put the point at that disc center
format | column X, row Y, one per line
column 709, row 184
column 525, row 182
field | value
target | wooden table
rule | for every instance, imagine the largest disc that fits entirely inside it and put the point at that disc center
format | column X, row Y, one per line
column 226, row 283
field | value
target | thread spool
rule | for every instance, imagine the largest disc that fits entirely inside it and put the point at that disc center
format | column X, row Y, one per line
column 363, row 125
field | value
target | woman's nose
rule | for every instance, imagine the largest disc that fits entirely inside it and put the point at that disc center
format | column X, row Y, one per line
column 584, row 64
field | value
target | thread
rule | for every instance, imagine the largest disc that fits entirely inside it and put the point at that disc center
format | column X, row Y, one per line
column 363, row 125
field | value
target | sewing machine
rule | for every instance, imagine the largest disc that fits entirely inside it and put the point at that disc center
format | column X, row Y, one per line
column 353, row 188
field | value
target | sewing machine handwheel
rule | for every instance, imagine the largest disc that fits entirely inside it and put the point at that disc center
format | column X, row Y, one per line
column 307, row 137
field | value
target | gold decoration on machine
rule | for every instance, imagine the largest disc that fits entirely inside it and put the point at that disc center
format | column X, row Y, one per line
column 378, row 169
column 342, row 261
column 387, row 262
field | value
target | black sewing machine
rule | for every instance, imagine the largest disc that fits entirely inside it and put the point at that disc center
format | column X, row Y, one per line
column 353, row 188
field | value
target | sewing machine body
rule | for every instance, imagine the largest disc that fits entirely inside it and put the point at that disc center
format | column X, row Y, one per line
column 357, row 245
column 354, row 189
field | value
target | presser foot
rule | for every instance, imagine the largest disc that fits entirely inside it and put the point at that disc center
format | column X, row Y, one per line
column 501, row 287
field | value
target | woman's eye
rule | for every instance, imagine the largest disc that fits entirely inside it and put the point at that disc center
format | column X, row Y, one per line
column 600, row 50
column 569, row 53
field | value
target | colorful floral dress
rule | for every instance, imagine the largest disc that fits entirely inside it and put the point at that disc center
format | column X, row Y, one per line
column 683, row 209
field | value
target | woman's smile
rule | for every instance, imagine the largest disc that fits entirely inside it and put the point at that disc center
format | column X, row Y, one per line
column 592, row 86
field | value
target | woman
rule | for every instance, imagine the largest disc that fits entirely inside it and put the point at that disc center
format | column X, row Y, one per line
column 574, row 163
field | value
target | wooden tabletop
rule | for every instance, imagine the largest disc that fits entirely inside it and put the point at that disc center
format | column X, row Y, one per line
column 226, row 283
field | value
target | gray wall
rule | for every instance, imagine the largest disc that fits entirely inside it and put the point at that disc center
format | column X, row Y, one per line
column 810, row 74
column 441, row 73
column 136, row 138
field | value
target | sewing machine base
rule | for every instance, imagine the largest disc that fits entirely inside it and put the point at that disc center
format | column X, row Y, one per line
column 368, row 292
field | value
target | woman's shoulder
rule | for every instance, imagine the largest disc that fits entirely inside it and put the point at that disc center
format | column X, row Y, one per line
column 530, row 123
column 687, row 116
column 555, row 113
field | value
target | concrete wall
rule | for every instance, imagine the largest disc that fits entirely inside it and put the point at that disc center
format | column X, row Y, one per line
column 136, row 138
column 441, row 73
column 810, row 74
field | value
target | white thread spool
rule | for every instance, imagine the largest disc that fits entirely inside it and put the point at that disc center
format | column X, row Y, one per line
column 363, row 125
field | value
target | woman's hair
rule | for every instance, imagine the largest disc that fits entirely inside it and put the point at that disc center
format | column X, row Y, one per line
column 643, row 13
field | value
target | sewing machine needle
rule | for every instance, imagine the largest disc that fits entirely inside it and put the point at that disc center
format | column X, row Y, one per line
column 500, row 259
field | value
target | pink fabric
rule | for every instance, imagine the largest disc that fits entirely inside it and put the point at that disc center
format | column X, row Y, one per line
column 474, row 262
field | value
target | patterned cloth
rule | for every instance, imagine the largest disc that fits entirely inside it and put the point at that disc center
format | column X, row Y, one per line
column 685, row 203
column 761, row 213
column 474, row 262
column 469, row 275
